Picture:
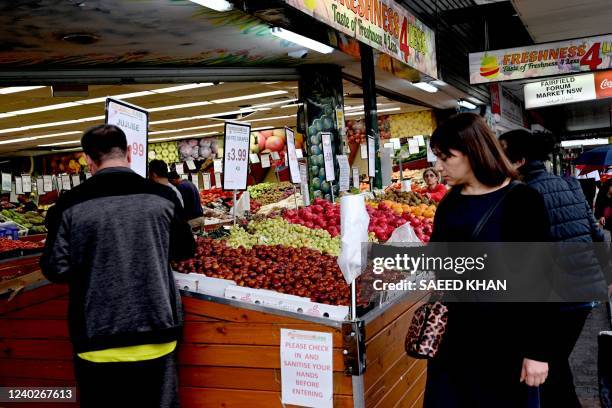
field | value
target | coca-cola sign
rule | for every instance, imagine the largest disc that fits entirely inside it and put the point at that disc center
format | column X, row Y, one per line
column 603, row 84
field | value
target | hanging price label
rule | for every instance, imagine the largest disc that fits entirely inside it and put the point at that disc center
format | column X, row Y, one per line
column 218, row 180
column 371, row 157
column 275, row 156
column 254, row 158
column 179, row 168
column 265, row 161
column 65, row 182
column 355, row 177
column 184, row 177
column 389, row 146
column 299, row 153
column 13, row 195
column 364, row 151
column 190, row 164
column 431, row 157
column 87, row 176
column 217, row 166
column 195, row 181
column 304, row 184
column 235, row 157
column 47, row 183
column 294, row 168
column 18, row 185
column 40, row 186
column 6, row 182
column 328, row 156
column 420, row 140
column 206, row 181
column 76, row 180
column 413, row 146
column 345, row 172
column 26, row 181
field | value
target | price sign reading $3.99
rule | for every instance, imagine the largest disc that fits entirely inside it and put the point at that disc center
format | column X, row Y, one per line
column 235, row 155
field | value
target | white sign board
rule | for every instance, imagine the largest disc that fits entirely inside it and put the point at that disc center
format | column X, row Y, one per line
column 330, row 174
column 363, row 149
column 190, row 164
column 195, row 181
column 560, row 90
column 47, row 183
column 306, row 368
column 355, row 177
column 217, row 166
column 299, row 153
column 218, row 180
column 236, row 156
column 371, row 157
column 345, row 172
column 134, row 121
column 6, row 181
column 26, row 181
column 413, row 145
column 40, row 186
column 420, row 139
column 65, row 182
column 76, row 180
column 294, row 168
column 304, row 185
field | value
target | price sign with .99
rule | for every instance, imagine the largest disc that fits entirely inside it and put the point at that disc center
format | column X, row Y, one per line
column 235, row 155
column 138, row 149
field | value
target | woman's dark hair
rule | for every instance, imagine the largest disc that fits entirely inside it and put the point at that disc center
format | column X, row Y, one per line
column 522, row 144
column 470, row 134
column 104, row 142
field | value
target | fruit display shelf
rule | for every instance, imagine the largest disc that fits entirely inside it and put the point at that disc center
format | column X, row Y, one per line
column 230, row 351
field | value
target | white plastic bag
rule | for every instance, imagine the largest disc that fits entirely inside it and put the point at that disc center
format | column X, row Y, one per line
column 404, row 233
column 354, row 220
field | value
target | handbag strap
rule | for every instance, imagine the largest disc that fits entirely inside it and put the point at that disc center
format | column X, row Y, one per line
column 491, row 210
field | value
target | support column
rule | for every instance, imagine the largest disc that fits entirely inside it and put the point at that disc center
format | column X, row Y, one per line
column 369, row 104
column 320, row 89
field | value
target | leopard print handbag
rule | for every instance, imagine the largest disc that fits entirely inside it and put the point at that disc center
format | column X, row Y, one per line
column 426, row 330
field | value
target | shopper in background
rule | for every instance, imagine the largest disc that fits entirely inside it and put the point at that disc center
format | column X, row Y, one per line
column 603, row 205
column 191, row 200
column 158, row 172
column 433, row 190
column 111, row 239
column 571, row 220
column 489, row 350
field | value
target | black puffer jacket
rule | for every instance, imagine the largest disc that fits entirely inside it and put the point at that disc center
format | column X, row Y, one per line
column 571, row 220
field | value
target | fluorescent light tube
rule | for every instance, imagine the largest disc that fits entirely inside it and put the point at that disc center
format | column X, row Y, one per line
column 466, row 104
column 301, row 40
column 159, row 132
column 252, row 96
column 424, row 86
column 15, row 89
column 217, row 5
column 60, row 143
column 52, row 124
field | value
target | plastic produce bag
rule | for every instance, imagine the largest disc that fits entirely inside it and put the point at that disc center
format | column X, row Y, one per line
column 404, row 233
column 242, row 205
column 354, row 221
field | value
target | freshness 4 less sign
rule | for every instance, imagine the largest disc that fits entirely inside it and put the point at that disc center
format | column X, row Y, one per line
column 557, row 58
column 382, row 24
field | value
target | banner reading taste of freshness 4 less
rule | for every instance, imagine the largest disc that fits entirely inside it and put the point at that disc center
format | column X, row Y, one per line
column 556, row 58
column 382, row 24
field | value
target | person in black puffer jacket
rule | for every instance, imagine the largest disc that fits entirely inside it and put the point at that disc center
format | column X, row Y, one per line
column 571, row 220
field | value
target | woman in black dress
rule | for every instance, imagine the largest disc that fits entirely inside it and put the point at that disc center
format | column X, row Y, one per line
column 491, row 352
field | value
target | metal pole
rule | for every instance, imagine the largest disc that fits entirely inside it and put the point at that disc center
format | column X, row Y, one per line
column 331, row 183
column 295, row 199
column 234, row 207
column 353, row 301
column 369, row 105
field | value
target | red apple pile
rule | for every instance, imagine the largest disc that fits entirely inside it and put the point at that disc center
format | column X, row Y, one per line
column 321, row 214
column 297, row 271
column 422, row 226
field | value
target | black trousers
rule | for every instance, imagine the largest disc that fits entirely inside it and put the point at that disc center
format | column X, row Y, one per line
column 558, row 391
column 146, row 384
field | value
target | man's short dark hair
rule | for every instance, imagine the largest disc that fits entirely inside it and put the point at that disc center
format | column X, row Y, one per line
column 104, row 142
column 522, row 144
column 173, row 175
column 159, row 167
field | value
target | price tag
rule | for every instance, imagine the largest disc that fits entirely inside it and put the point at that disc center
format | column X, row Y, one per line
column 218, row 180
column 345, row 172
column 299, row 153
column 265, row 161
column 18, row 185
column 26, row 181
column 254, row 158
column 236, row 156
column 396, row 143
column 65, row 182
column 58, row 181
column 406, row 185
column 431, row 157
column 206, row 181
column 355, row 177
column 87, row 176
column 76, row 180
column 190, row 164
column 184, row 177
column 13, row 195
column 275, row 156
column 420, row 140
column 7, row 179
column 134, row 121
column 217, row 166
column 304, row 184
column 328, row 156
column 195, row 181
column 291, row 156
column 47, row 183
column 390, row 147
column 364, row 151
column 371, row 157
column 413, row 146
column 40, row 186
column 179, row 168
